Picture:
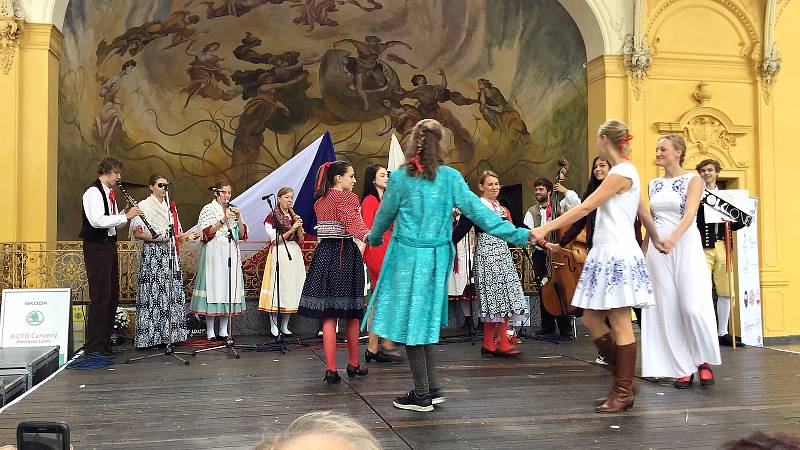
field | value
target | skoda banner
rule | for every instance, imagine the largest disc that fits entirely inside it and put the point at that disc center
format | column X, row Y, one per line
column 36, row 318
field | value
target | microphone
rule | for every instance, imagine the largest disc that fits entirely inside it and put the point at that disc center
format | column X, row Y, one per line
column 267, row 196
column 214, row 189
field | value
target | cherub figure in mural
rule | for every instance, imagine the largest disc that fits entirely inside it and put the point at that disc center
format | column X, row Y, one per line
column 110, row 117
column 402, row 118
column 498, row 113
column 428, row 97
column 177, row 25
column 253, row 122
column 235, row 8
column 135, row 39
column 285, row 66
column 205, row 74
column 366, row 69
column 132, row 41
column 315, row 12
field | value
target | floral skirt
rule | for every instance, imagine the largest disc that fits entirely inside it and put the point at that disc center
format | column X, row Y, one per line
column 497, row 282
column 614, row 277
column 154, row 305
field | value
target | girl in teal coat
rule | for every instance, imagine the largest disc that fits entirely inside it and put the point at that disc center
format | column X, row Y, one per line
column 410, row 300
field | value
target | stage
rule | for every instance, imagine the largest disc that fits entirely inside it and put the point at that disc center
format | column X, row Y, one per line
column 543, row 400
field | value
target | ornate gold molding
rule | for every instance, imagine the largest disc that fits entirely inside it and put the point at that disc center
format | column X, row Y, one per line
column 745, row 20
column 707, row 130
column 770, row 59
column 10, row 32
column 637, row 54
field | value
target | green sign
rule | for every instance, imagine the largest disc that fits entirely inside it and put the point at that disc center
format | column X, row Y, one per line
column 35, row 318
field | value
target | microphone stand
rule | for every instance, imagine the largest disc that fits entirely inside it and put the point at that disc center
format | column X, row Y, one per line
column 229, row 345
column 173, row 270
column 280, row 339
column 527, row 256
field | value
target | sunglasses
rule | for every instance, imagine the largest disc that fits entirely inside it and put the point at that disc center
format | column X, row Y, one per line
column 163, row 185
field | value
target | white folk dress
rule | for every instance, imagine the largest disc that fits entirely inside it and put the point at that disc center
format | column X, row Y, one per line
column 680, row 333
column 615, row 274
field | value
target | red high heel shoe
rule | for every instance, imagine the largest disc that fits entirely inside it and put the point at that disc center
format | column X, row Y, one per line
column 705, row 374
column 683, row 382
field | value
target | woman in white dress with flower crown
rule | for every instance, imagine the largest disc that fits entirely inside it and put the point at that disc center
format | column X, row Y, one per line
column 615, row 276
column 679, row 335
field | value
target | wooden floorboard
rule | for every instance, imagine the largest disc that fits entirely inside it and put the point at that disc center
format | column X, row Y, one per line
column 543, row 400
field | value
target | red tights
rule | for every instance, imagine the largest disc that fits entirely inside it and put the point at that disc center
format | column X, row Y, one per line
column 329, row 341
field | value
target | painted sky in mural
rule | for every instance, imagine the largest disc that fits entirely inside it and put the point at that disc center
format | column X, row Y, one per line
column 199, row 91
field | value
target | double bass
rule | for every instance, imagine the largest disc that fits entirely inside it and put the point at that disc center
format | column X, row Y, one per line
column 563, row 269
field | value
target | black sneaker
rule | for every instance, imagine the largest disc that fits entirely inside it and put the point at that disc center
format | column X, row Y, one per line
column 437, row 398
column 413, row 402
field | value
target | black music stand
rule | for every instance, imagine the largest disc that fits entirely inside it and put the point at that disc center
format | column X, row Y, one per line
column 280, row 339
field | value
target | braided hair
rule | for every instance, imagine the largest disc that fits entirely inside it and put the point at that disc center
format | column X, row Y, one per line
column 425, row 143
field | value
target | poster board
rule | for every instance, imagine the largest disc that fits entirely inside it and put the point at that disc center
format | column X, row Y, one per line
column 36, row 318
column 749, row 280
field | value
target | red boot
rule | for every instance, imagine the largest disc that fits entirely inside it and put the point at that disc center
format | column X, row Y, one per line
column 504, row 346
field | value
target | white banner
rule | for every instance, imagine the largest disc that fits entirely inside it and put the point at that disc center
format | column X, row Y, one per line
column 750, row 325
column 36, row 318
column 739, row 198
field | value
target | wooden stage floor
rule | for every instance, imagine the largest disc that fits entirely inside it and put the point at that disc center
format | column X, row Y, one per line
column 543, row 400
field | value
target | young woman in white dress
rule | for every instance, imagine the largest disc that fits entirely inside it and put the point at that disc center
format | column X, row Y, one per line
column 292, row 267
column 679, row 335
column 615, row 276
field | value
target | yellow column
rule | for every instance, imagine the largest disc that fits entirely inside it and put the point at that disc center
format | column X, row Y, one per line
column 608, row 95
column 29, row 126
column 779, row 161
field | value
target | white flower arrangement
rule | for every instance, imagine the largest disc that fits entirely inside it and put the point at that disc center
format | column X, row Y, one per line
column 121, row 320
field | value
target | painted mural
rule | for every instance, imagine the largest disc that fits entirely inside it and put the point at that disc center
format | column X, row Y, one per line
column 199, row 91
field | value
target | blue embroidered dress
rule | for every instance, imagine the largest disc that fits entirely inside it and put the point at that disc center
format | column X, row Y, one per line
column 615, row 274
column 410, row 300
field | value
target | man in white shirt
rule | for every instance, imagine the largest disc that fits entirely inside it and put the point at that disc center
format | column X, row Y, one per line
column 101, row 219
column 539, row 214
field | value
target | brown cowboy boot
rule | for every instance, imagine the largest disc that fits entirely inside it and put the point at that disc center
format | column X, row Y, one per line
column 607, row 349
column 621, row 397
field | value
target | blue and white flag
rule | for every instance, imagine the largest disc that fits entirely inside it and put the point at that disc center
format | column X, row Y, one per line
column 299, row 173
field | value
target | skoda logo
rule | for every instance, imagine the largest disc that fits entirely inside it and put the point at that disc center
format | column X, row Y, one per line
column 35, row 318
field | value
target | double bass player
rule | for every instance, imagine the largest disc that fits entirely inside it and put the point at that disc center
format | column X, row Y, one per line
column 537, row 215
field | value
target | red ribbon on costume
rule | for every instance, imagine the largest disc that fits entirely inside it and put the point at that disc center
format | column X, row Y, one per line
column 455, row 262
column 174, row 211
column 549, row 211
column 728, row 248
column 325, row 167
column 625, row 140
column 415, row 161
column 113, row 197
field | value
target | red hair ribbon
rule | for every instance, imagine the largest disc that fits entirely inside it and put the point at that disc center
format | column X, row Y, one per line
column 322, row 174
column 624, row 140
column 415, row 161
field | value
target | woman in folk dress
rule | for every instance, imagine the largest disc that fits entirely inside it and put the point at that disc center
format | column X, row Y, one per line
column 219, row 287
column 615, row 276
column 154, row 310
column 283, row 225
column 678, row 335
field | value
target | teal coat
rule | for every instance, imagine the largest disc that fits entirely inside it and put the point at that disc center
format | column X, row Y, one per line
column 410, row 300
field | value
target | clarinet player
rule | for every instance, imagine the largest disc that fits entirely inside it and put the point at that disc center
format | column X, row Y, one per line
column 101, row 219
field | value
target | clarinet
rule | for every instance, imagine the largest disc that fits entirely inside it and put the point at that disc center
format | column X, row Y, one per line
column 133, row 202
